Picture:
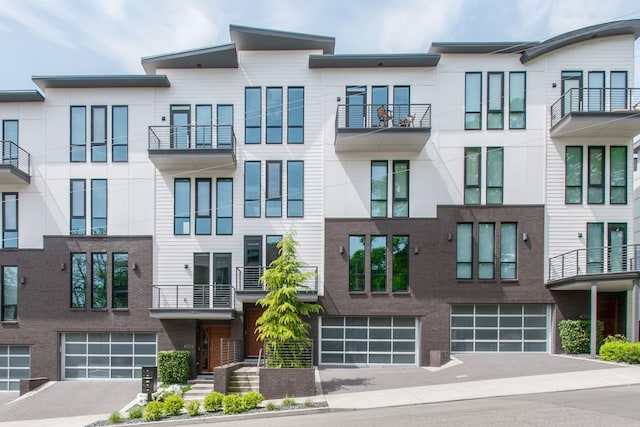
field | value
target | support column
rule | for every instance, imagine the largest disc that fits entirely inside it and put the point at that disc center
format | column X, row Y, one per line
column 635, row 294
column 594, row 318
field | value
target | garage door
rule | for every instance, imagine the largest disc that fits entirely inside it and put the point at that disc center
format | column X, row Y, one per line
column 353, row 340
column 107, row 355
column 500, row 327
column 15, row 361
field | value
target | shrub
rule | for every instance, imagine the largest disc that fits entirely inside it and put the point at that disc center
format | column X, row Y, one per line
column 575, row 335
column 164, row 391
column 621, row 351
column 308, row 403
column 173, row 404
column 251, row 400
column 173, row 366
column 271, row 406
column 213, row 401
column 135, row 413
column 289, row 401
column 185, row 388
column 615, row 338
column 153, row 411
column 232, row 404
column 115, row 417
column 193, row 408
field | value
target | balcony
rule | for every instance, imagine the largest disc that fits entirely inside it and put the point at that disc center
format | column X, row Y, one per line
column 382, row 128
column 611, row 113
column 193, row 302
column 249, row 288
column 613, row 268
column 15, row 165
column 192, row 148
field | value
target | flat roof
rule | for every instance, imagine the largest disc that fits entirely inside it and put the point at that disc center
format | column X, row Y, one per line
column 480, row 47
column 374, row 60
column 224, row 56
column 248, row 38
column 106, row 81
column 21, row 96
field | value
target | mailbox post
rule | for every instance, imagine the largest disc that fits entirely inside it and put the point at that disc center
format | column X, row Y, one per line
column 149, row 380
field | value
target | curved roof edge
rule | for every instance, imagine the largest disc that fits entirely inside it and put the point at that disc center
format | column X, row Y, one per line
column 480, row 47
column 21, row 96
column 74, row 82
column 224, row 56
column 248, row 38
column 615, row 28
column 374, row 61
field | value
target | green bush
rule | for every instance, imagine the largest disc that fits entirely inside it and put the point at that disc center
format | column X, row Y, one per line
column 173, row 366
column 153, row 411
column 575, row 335
column 232, row 404
column 616, row 338
column 173, row 404
column 308, row 403
column 288, row 401
column 620, row 351
column 251, row 400
column 193, row 408
column 136, row 413
column 213, row 401
column 115, row 417
column 271, row 406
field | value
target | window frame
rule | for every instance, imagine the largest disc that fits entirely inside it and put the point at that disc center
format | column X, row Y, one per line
column 99, row 284
column 119, row 270
column 615, row 188
column 274, row 115
column 98, row 133
column 78, row 141
column 468, row 185
column 250, row 116
column 592, row 187
column 273, row 189
column 293, row 197
column 82, row 205
column 220, row 208
column 9, row 232
column 400, row 280
column 292, row 123
column 460, row 261
column 78, row 289
column 95, row 229
column 515, row 111
column 378, row 265
column 181, row 217
column 203, row 215
column 486, row 231
column 504, row 259
column 382, row 200
column 254, row 202
column 119, row 142
column 497, row 187
column 4, row 293
column 491, row 112
column 357, row 275
column 568, row 187
column 472, row 112
column 397, row 200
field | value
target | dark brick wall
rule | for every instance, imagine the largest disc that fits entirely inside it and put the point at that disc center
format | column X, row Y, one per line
column 292, row 382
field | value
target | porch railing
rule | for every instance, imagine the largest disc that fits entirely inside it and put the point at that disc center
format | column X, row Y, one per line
column 599, row 260
column 187, row 296
column 230, row 351
column 367, row 116
column 192, row 137
column 606, row 100
column 12, row 155
column 248, row 278
column 295, row 354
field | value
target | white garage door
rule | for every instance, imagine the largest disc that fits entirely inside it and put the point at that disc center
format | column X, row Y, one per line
column 15, row 361
column 107, row 354
column 362, row 340
column 500, row 327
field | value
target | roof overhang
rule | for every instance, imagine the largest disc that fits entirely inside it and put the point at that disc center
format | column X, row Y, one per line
column 480, row 47
column 374, row 61
column 21, row 96
column 83, row 82
column 605, row 282
column 225, row 56
column 248, row 38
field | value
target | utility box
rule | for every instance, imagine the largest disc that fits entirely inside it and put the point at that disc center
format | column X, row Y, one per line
column 149, row 380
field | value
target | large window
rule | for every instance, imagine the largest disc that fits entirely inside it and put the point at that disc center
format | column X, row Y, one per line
column 378, row 263
column 295, row 115
column 252, row 189
column 78, row 280
column 486, row 250
column 400, row 256
column 225, row 125
column 618, row 90
column 203, row 126
column 495, row 100
column 98, row 206
column 517, row 100
column 595, row 93
column 78, row 134
column 508, row 252
column 78, row 207
column 9, row 294
column 573, row 175
column 120, row 280
column 295, row 189
column 596, row 175
column 472, row 158
column 99, row 280
column 464, row 251
column 273, row 204
column 618, row 175
column 400, row 188
column 495, row 172
column 181, row 206
column 99, row 133
column 224, row 206
column 379, row 184
column 274, row 115
column 473, row 101
column 401, row 104
column 595, row 247
column 9, row 220
column 203, row 206
column 356, row 263
column 119, row 133
column 252, row 115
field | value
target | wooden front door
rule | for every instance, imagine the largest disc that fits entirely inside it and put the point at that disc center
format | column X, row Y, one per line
column 252, row 344
column 612, row 313
column 210, row 336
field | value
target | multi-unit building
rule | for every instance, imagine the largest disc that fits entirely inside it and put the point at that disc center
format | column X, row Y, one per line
column 465, row 199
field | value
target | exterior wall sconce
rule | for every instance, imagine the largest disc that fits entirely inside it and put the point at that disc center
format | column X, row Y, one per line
column 449, row 237
column 63, row 266
column 525, row 237
column 579, row 235
column 186, row 266
column 23, row 280
column 554, row 84
column 341, row 249
column 416, row 250
column 134, row 267
column 163, row 118
column 338, row 99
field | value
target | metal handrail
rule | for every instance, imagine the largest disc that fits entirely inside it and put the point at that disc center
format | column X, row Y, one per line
column 598, row 260
column 374, row 116
column 248, row 278
column 192, row 137
column 188, row 296
column 15, row 156
column 603, row 100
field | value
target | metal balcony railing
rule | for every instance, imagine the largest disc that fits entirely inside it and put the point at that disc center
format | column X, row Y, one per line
column 292, row 354
column 248, row 279
column 230, row 351
column 188, row 297
column 14, row 156
column 607, row 100
column 373, row 116
column 192, row 138
column 600, row 260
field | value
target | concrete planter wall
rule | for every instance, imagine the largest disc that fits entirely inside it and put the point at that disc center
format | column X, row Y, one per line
column 222, row 376
column 276, row 383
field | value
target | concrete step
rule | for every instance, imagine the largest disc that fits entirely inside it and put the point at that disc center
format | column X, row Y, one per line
column 198, row 391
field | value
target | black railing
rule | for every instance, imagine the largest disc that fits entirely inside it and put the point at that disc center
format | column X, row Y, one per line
column 192, row 138
column 371, row 116
column 248, row 278
column 600, row 260
column 607, row 100
column 14, row 156
column 188, row 297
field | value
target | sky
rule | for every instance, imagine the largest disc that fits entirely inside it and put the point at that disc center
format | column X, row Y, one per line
column 85, row 37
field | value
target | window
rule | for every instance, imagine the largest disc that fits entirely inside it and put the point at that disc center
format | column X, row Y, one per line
column 180, row 126
column 401, row 104
column 98, row 206
column 252, row 115
column 181, row 206
column 295, row 115
column 400, row 188
column 517, row 100
column 571, row 91
column 99, row 280
column 203, row 206
column 78, row 280
column 274, row 115
column 78, row 134
column 464, row 251
column 252, row 172
column 573, row 175
column 472, row 176
column 271, row 249
column 618, row 175
column 508, row 251
column 295, row 189
column 595, row 94
column 273, row 205
column 356, row 107
column 120, row 280
column 596, row 175
column 473, row 101
column 595, row 247
column 356, row 263
column 495, row 100
column 119, row 133
column 10, row 155
column 78, row 207
column 379, row 189
column 618, row 90
column 224, row 206
column 203, row 126
column 225, row 126
column 9, row 220
column 9, row 295
column 379, row 98
column 201, row 276
column 99, row 133
column 222, row 269
column 378, row 263
column 486, row 250
column 400, row 257
column 495, row 171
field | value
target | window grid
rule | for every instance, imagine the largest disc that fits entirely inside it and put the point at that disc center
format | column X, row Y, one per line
column 295, row 189
column 120, row 280
column 119, row 133
column 78, row 225
column 252, row 115
column 98, row 206
column 573, row 175
column 252, row 189
column 9, row 220
column 495, row 100
column 274, row 115
column 400, row 208
column 295, row 115
column 618, row 175
column 98, row 133
column 379, row 179
column 273, row 202
column 99, row 280
column 517, row 100
column 9, row 293
column 596, row 175
column 78, row 280
column 182, row 206
column 495, row 175
column 203, row 206
column 472, row 172
column 378, row 263
column 78, row 125
column 224, row 206
column 473, row 101
column 15, row 361
column 356, row 263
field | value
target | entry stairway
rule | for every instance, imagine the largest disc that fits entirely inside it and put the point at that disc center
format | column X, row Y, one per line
column 243, row 380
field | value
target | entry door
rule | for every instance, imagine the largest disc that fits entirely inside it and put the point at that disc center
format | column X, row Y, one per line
column 203, row 126
column 596, row 91
column 618, row 90
column 617, row 248
column 356, row 107
column 571, row 98
column 252, row 344
column 252, row 261
column 201, row 273
column 210, row 337
column 180, row 119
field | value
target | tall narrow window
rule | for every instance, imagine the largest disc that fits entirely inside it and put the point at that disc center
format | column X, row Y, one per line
column 495, row 100
column 224, row 206
column 78, row 207
column 495, row 173
column 252, row 189
column 400, row 188
column 356, row 263
column 203, row 126
column 356, row 107
column 99, row 133
column 203, row 206
column 273, row 204
column 201, row 277
column 473, row 101
column 9, row 220
column 486, row 250
column 78, row 134
column 9, row 293
column 619, row 98
column 181, row 206
column 274, row 115
column 225, row 126
column 595, row 247
column 78, row 280
column 379, row 183
column 252, row 115
column 618, row 175
column 464, row 251
column 99, row 280
column 120, row 280
column 180, row 127
column 295, row 188
column 573, row 175
column 10, row 153
column 400, row 255
column 571, row 91
column 98, row 206
column 295, row 115
column 119, row 133
column 379, row 98
column 271, row 248
column 596, row 175
column 401, row 104
column 378, row 263
column 472, row 176
column 222, row 269
column 517, row 100
column 508, row 250
column 595, row 94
